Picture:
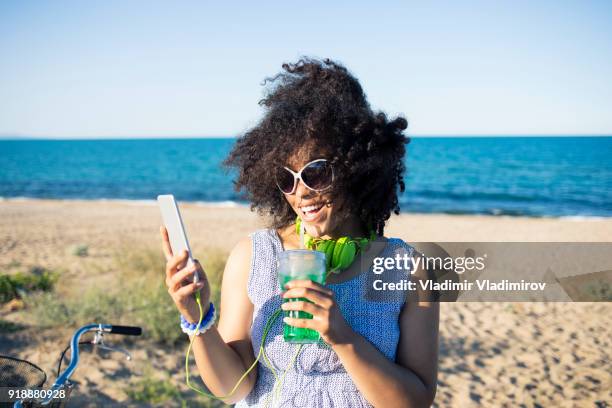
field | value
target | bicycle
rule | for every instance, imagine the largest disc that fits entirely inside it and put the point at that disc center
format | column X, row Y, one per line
column 23, row 375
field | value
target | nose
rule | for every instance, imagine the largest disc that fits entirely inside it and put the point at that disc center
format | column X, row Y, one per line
column 301, row 189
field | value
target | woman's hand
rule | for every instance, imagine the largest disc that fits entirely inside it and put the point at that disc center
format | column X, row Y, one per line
column 326, row 316
column 179, row 280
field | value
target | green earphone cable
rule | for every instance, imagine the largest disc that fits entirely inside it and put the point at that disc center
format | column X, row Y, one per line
column 339, row 259
column 278, row 382
column 267, row 327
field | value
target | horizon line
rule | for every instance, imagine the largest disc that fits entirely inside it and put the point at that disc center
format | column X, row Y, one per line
column 179, row 137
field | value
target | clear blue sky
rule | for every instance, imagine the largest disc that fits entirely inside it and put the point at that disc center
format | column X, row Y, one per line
column 127, row 68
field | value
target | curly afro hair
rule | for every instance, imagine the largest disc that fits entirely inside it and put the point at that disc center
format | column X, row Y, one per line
column 320, row 103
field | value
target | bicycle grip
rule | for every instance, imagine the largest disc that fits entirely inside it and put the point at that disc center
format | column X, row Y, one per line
column 126, row 330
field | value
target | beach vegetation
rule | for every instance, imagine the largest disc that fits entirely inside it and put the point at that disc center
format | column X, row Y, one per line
column 10, row 327
column 16, row 286
column 152, row 390
column 137, row 297
column 156, row 391
column 81, row 250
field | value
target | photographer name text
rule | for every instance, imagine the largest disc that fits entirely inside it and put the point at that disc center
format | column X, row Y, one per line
column 483, row 285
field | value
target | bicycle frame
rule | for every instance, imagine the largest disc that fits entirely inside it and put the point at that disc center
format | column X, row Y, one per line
column 63, row 378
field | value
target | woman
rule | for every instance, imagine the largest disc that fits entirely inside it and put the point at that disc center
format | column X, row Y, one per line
column 319, row 153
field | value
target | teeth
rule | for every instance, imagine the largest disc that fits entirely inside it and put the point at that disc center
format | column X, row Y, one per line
column 311, row 208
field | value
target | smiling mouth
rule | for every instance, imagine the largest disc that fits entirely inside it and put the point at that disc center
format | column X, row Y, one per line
column 311, row 211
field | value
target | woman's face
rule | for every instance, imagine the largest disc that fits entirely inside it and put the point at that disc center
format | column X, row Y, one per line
column 316, row 209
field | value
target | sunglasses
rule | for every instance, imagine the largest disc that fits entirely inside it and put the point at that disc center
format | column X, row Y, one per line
column 318, row 175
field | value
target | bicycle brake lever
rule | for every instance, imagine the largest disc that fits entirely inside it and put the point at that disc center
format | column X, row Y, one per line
column 128, row 356
column 99, row 341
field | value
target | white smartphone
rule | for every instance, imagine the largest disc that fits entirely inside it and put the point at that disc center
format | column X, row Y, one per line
column 173, row 222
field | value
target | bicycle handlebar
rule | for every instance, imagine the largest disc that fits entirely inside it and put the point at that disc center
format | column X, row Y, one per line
column 74, row 350
column 126, row 330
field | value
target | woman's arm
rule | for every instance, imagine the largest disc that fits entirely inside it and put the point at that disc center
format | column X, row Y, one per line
column 409, row 382
column 224, row 353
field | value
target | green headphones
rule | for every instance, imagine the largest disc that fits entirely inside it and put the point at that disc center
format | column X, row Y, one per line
column 339, row 253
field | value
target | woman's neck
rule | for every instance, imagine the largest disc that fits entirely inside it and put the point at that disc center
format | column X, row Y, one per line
column 351, row 227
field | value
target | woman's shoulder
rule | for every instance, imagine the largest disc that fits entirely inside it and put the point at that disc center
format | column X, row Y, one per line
column 254, row 242
column 398, row 244
column 247, row 247
column 241, row 253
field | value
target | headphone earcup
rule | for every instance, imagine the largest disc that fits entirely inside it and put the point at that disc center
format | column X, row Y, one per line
column 347, row 254
column 327, row 247
column 338, row 251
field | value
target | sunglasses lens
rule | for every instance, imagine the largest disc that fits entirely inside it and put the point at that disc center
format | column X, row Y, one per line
column 284, row 180
column 318, row 175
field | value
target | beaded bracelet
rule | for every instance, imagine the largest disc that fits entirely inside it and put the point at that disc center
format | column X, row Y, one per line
column 207, row 322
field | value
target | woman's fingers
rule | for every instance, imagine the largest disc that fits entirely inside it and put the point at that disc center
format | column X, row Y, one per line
column 175, row 264
column 188, row 290
column 176, row 280
column 165, row 243
column 306, row 283
column 304, row 323
column 302, row 306
column 322, row 299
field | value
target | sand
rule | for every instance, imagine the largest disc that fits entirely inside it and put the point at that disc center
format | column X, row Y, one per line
column 491, row 354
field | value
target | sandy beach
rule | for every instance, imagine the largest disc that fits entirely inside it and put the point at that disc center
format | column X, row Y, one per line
column 491, row 354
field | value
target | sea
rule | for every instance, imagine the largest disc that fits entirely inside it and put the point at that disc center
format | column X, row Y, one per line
column 514, row 176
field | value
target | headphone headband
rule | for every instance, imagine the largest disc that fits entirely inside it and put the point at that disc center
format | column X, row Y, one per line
column 339, row 253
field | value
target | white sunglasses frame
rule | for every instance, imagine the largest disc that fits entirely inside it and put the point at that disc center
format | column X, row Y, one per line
column 298, row 177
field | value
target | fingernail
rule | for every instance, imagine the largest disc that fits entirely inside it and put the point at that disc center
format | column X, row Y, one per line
column 286, row 319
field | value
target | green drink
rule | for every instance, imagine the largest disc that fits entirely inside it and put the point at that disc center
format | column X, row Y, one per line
column 300, row 264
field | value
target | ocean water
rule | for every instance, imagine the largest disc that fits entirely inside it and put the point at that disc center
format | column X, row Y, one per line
column 533, row 176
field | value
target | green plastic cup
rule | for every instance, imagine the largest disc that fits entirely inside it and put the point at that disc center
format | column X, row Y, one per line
column 300, row 264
